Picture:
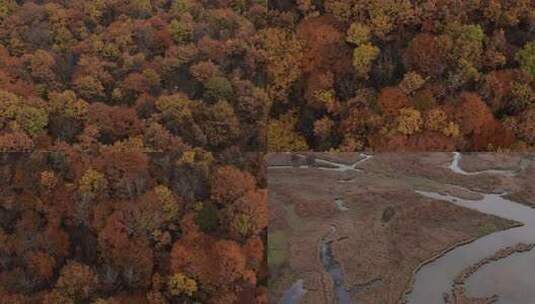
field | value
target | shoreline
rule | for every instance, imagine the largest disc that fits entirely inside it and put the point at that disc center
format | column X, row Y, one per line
column 458, row 288
column 403, row 298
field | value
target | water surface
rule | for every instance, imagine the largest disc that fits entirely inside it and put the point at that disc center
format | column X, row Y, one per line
column 511, row 278
column 334, row 269
column 294, row 294
column 454, row 166
column 436, row 278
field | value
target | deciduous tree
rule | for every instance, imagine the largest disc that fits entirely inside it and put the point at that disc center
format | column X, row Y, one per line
column 526, row 58
column 77, row 281
column 391, row 100
column 282, row 136
column 229, row 183
column 363, row 56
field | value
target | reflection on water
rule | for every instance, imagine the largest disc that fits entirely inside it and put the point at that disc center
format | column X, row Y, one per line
column 324, row 164
column 454, row 166
column 294, row 293
column 340, row 205
column 436, row 278
column 335, row 270
column 341, row 167
column 510, row 278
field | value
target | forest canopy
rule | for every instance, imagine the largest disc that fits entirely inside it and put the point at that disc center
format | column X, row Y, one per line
column 401, row 75
column 132, row 132
column 164, row 74
column 128, row 139
column 131, row 227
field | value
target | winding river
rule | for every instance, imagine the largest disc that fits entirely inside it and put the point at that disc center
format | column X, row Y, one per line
column 454, row 166
column 295, row 292
column 342, row 296
column 435, row 279
column 328, row 165
column 336, row 166
column 511, row 278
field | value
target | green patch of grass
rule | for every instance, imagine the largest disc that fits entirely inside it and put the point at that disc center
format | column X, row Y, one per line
column 277, row 249
column 486, row 228
column 294, row 221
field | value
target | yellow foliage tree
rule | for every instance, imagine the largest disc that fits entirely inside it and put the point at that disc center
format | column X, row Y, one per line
column 435, row 119
column 451, row 130
column 92, row 182
column 168, row 202
column 409, row 121
column 411, row 82
column 283, row 54
column 48, row 179
column 180, row 284
column 281, row 135
column 363, row 56
column 358, row 33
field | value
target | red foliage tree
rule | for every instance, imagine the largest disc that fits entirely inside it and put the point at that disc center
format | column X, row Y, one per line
column 391, row 100
column 248, row 215
column 126, row 172
column 41, row 265
column 114, row 123
column 472, row 114
column 131, row 256
column 426, row 55
column 229, row 183
column 477, row 122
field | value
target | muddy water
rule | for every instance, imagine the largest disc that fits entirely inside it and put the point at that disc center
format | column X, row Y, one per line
column 511, row 278
column 340, row 204
column 454, row 166
column 327, row 165
column 436, row 278
column 343, row 167
column 293, row 294
column 334, row 269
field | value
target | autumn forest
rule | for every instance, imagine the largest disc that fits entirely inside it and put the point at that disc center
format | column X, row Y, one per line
column 129, row 132
column 401, row 75
column 133, row 132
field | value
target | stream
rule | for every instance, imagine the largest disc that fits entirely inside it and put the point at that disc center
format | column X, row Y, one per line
column 331, row 165
column 454, row 166
column 342, row 295
column 435, row 279
column 510, row 278
column 295, row 292
column 343, row 167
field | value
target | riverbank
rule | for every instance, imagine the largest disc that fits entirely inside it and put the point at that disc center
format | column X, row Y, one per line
column 385, row 250
column 434, row 279
column 459, row 290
